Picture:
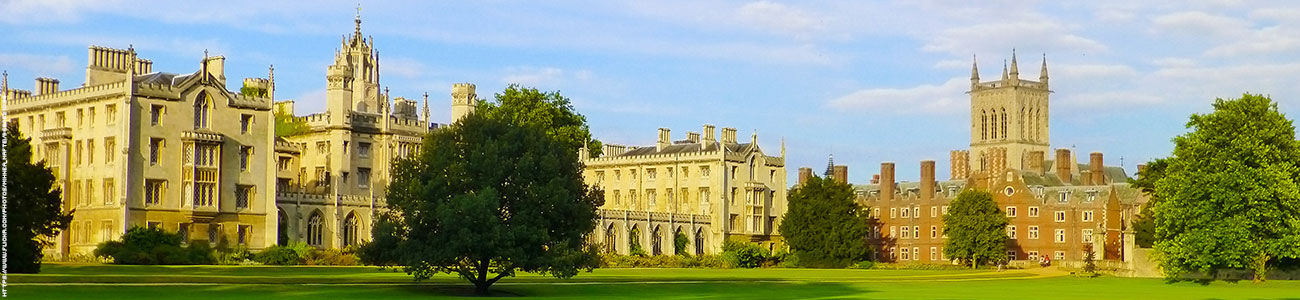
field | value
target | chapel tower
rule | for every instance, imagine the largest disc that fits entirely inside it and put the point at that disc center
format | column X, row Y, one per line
column 353, row 79
column 1009, row 119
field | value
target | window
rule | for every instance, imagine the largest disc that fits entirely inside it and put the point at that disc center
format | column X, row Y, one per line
column 1033, row 211
column 617, row 198
column 1060, row 216
column 934, row 211
column 704, row 172
column 1011, row 255
column 283, row 163
column 1087, row 235
column 81, row 118
column 153, row 224
column 1087, row 216
column 350, row 230
column 945, row 210
column 669, row 194
column 650, row 196
column 916, row 212
column 363, row 149
column 1033, row 255
column 669, row 171
column 155, row 114
column 90, row 117
column 243, row 193
column 686, row 172
column 315, row 229
column 76, row 159
column 363, row 177
column 1063, row 196
column 90, row 191
column 345, row 147
column 704, row 196
column 905, row 212
column 905, row 255
column 893, row 212
column 907, row 233
column 934, row 253
column 1060, row 235
column 61, row 119
column 916, row 232
column 1011, row 231
column 109, row 191
column 323, row 147
column 893, row 231
column 1059, row 255
column 245, row 123
column 344, row 179
column 245, row 157
column 201, row 110
column 110, row 114
column 214, row 232
column 934, row 231
column 1011, row 211
column 183, row 229
column 244, row 232
column 90, row 151
column 109, row 147
column 733, row 172
column 650, row 174
column 875, row 212
column 1033, row 232
column 631, row 198
column 155, row 151
column 618, row 175
column 916, row 253
column 1092, row 195
column 322, row 177
column 76, row 192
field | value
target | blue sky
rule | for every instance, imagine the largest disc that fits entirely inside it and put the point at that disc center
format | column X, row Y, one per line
column 866, row 81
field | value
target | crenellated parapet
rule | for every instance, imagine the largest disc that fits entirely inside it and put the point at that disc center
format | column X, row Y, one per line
column 22, row 100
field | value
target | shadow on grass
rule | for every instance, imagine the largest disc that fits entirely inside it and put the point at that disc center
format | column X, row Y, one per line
column 657, row 290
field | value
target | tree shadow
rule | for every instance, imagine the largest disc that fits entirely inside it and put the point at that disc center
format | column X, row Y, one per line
column 713, row 288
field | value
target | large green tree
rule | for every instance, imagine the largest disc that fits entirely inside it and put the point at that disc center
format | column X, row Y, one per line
column 823, row 226
column 32, row 204
column 549, row 111
column 486, row 198
column 1144, row 225
column 1229, row 197
column 976, row 229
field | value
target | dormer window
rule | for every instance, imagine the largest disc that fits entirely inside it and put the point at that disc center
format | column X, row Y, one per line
column 1092, row 195
column 1064, row 196
column 202, row 109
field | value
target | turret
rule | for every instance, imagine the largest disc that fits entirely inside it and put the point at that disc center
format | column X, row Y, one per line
column 462, row 100
column 1015, row 71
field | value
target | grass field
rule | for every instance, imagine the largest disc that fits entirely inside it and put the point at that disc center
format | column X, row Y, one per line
column 66, row 281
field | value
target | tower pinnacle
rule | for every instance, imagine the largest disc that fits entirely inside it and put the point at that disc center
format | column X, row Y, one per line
column 1015, row 71
column 1004, row 71
column 1042, row 73
column 358, row 19
column 974, row 70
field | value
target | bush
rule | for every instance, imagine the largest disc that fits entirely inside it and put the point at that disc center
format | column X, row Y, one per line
column 143, row 246
column 334, row 257
column 280, row 256
column 662, row 261
column 786, row 259
column 866, row 264
column 680, row 241
column 743, row 254
column 232, row 256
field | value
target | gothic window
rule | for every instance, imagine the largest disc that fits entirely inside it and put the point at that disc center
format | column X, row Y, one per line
column 283, row 235
column 1021, row 122
column 610, row 238
column 315, row 226
column 1004, row 123
column 350, row 226
column 994, row 125
column 984, row 126
column 699, row 241
column 202, row 110
column 656, row 242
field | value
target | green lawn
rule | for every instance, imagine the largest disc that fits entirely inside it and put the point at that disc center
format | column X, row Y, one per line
column 260, row 282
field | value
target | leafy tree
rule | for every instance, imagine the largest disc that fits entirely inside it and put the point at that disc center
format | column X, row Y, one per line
column 1089, row 260
column 549, row 111
column 486, row 198
column 33, row 204
column 824, row 226
column 976, row 229
column 1229, row 197
column 389, row 232
column 743, row 254
column 680, row 241
column 287, row 125
column 1144, row 225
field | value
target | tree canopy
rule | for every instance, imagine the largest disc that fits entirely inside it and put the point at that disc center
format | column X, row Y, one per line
column 976, row 229
column 1144, row 225
column 1229, row 197
column 548, row 111
column 485, row 198
column 823, row 226
column 33, row 204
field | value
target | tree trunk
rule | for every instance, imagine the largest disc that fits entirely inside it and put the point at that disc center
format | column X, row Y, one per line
column 1260, row 268
column 481, row 284
column 481, row 288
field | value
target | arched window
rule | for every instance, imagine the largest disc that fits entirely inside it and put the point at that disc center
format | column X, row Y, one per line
column 994, row 124
column 634, row 242
column 350, row 230
column 699, row 241
column 984, row 125
column 202, row 108
column 656, row 240
column 1020, row 122
column 1004, row 123
column 315, row 229
column 611, row 237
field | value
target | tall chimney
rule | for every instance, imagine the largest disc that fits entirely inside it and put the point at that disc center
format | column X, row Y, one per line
column 728, row 135
column 875, row 179
column 693, row 137
column 1095, row 163
column 887, row 180
column 840, row 173
column 1063, row 165
column 665, row 139
column 804, row 174
column 927, row 180
column 708, row 134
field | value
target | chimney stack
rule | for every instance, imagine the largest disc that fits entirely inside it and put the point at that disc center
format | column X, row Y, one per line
column 693, row 137
column 887, row 180
column 1095, row 163
column 708, row 134
column 840, row 173
column 1063, row 162
column 728, row 135
column 664, row 139
column 875, row 179
column 804, row 174
column 45, row 85
column 927, row 180
column 1035, row 161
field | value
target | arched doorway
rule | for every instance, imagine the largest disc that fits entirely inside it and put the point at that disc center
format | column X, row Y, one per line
column 656, row 242
column 350, row 230
column 699, row 241
column 634, row 241
column 611, row 237
column 283, row 229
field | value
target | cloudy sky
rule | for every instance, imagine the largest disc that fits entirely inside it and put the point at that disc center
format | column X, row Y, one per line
column 866, row 81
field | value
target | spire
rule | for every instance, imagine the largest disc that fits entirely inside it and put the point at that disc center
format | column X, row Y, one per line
column 1015, row 71
column 270, row 76
column 4, row 86
column 383, row 107
column 782, row 146
column 1042, row 73
column 204, row 77
column 1004, row 71
column 830, row 165
column 426, row 108
column 358, row 20
column 974, row 69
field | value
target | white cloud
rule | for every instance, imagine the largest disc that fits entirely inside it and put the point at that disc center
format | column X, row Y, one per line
column 1173, row 62
column 533, row 76
column 1199, row 24
column 52, row 11
column 779, row 18
column 927, row 98
column 40, row 65
column 1090, row 101
column 404, row 67
column 1088, row 72
column 952, row 64
column 1264, row 41
column 1046, row 36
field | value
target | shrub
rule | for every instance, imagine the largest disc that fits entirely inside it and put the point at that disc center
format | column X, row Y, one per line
column 680, row 241
column 144, row 246
column 662, row 261
column 787, row 259
column 232, row 256
column 280, row 256
column 743, row 254
column 334, row 257
column 866, row 264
